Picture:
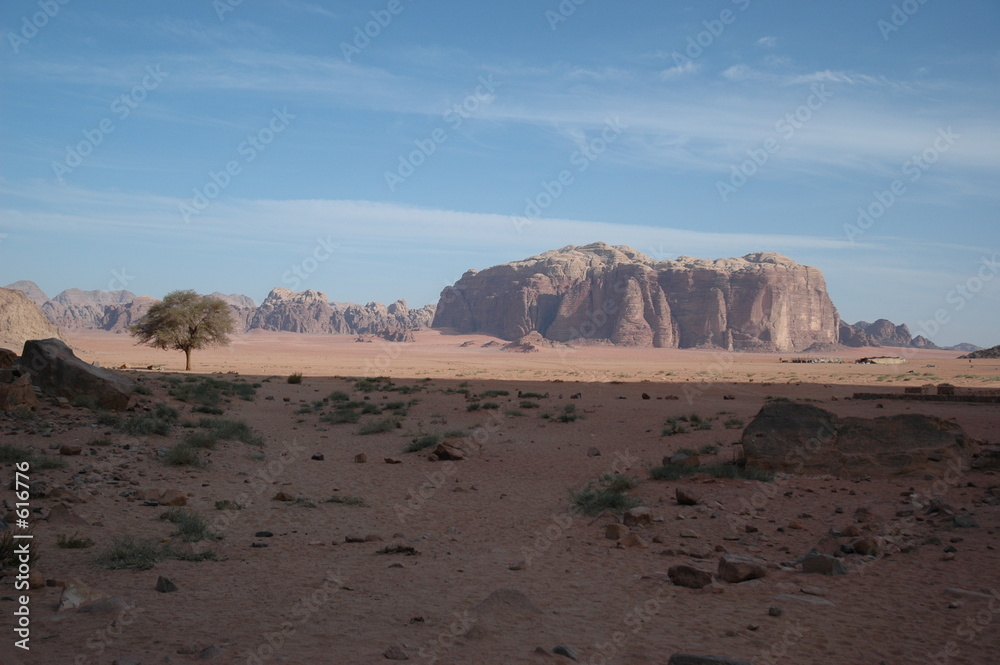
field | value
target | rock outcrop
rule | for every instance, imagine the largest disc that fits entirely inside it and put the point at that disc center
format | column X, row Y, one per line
column 21, row 320
column 992, row 352
column 57, row 372
column 881, row 333
column 283, row 310
column 600, row 293
column 800, row 438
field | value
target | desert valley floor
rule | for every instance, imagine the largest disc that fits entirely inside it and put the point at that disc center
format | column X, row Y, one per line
column 484, row 560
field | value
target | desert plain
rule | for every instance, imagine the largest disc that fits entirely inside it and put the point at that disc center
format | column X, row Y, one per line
column 486, row 559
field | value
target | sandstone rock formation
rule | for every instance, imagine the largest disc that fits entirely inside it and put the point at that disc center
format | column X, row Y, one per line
column 21, row 319
column 881, row 333
column 57, row 372
column 800, row 438
column 598, row 292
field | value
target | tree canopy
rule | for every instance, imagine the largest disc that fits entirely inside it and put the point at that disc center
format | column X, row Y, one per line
column 185, row 321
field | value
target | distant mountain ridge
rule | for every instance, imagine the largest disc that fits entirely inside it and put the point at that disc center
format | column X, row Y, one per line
column 282, row 310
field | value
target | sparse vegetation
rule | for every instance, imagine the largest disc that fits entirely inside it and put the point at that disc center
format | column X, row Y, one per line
column 528, row 404
column 10, row 454
column 73, row 542
column 593, row 501
column 191, row 527
column 733, row 423
column 569, row 414
column 398, row 549
column 295, row 378
column 422, row 442
column 377, row 426
column 341, row 416
column 617, row 482
column 183, row 455
column 132, row 553
column 345, row 500
column 226, row 504
column 231, row 430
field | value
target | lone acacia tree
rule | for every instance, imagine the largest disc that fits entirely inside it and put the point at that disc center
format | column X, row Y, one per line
column 185, row 321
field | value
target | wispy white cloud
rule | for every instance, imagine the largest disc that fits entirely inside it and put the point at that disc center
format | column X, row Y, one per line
column 678, row 71
column 767, row 42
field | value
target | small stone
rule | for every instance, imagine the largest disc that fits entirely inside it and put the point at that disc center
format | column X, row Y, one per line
column 615, row 531
column 318, row 457
column 866, row 546
column 736, row 568
column 70, row 449
column 392, row 460
column 632, row 540
column 593, row 452
column 354, row 538
column 775, row 611
column 209, row 652
column 373, row 538
column 689, row 576
column 519, row 565
column 753, row 626
column 688, row 533
column 823, row 564
column 395, row 653
column 35, row 579
column 569, row 652
column 686, row 497
column 258, row 545
column 965, row 521
column 283, row 496
column 852, row 531
column 638, row 517
column 164, row 585
column 360, row 458
column 750, row 528
column 263, row 534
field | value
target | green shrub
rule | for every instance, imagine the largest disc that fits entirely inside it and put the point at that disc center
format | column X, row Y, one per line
column 569, row 414
column 733, row 423
column 191, row 527
column 494, row 393
column 100, row 441
column 231, row 430
column 678, row 471
column 131, row 553
column 527, row 404
column 144, row 425
column 338, row 396
column 533, row 396
column 206, row 440
column 11, row 454
column 398, row 549
column 617, row 482
column 370, row 409
column 226, row 504
column 295, row 378
column 593, row 501
column 474, row 406
column 73, row 542
column 345, row 500
column 377, row 426
column 183, row 455
column 341, row 416
column 490, row 406
column 143, row 390
column 422, row 442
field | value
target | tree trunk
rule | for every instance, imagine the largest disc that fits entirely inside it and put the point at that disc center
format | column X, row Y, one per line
column 187, row 358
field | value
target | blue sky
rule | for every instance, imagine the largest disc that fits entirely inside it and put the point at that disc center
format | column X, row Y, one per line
column 239, row 146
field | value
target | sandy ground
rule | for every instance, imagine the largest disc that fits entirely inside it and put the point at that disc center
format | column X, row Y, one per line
column 310, row 597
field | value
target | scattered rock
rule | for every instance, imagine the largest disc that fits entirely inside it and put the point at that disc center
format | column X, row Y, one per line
column 686, row 497
column 965, row 521
column 688, row 533
column 775, row 611
column 70, row 449
column 263, row 534
column 689, row 576
column 360, row 458
column 57, row 372
column 682, row 459
column 632, row 540
column 866, row 546
column 164, row 585
column 283, row 496
column 569, row 652
column 824, row 564
column 593, row 452
column 641, row 516
column 851, row 447
column 519, row 565
column 76, row 594
column 209, row 652
column 392, row 460
column 318, row 457
column 736, row 568
column 615, row 531
column 458, row 449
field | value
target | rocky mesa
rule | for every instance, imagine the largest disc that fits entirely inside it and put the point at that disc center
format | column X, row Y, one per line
column 615, row 294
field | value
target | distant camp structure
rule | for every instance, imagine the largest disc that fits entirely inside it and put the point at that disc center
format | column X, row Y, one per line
column 881, row 360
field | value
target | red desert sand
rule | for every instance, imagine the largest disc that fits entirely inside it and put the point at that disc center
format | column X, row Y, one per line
column 486, row 560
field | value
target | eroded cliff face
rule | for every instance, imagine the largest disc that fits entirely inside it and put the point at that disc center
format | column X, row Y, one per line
column 282, row 310
column 598, row 292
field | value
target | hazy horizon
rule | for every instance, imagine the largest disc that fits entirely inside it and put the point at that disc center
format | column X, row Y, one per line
column 378, row 151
